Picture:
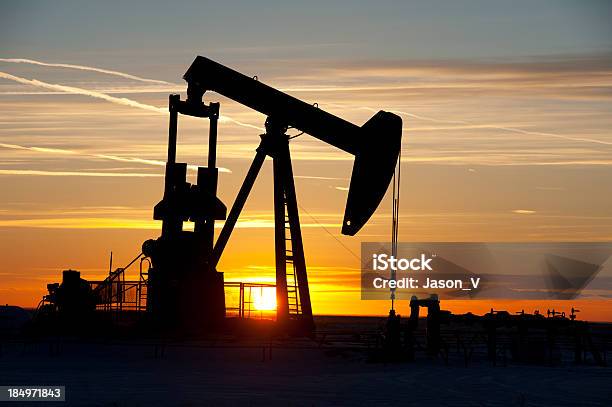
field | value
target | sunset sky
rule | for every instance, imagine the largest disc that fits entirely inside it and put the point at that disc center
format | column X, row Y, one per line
column 507, row 110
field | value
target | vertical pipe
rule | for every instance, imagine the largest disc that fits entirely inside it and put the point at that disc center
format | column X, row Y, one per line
column 241, row 301
column 170, row 225
column 209, row 226
column 212, row 137
column 173, row 101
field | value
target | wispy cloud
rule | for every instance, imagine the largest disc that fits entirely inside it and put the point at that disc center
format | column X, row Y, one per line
column 321, row 178
column 538, row 70
column 506, row 153
column 112, row 99
column 85, row 68
column 157, row 163
column 78, row 173
column 492, row 126
column 104, row 89
column 126, row 223
column 85, row 92
column 524, row 211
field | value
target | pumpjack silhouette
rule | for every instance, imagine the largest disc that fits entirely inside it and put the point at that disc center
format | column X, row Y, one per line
column 185, row 287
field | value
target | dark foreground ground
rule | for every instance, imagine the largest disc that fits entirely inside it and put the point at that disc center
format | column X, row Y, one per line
column 293, row 373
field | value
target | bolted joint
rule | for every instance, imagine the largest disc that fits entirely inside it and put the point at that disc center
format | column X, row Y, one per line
column 213, row 110
column 174, row 101
column 275, row 126
column 195, row 94
column 150, row 247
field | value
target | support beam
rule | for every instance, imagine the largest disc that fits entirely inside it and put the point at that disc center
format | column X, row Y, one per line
column 212, row 135
column 173, row 101
column 280, row 244
column 241, row 198
column 296, row 238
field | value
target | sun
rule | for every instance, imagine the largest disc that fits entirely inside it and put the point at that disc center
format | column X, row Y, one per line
column 264, row 298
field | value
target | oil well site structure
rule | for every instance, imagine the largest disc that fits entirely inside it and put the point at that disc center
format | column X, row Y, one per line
column 179, row 287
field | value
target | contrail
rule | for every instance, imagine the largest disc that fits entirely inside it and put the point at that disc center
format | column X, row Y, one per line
column 226, row 119
column 113, row 99
column 491, row 126
column 85, row 68
column 157, row 163
column 85, row 92
column 78, row 173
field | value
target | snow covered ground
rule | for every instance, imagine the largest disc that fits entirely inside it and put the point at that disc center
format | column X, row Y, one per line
column 129, row 374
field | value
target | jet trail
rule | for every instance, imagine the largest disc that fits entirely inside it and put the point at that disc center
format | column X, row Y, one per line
column 132, row 103
column 157, row 163
column 226, row 119
column 492, row 126
column 78, row 173
column 85, row 68
column 113, row 99
column 80, row 91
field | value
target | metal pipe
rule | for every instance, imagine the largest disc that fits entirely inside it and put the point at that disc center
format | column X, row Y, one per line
column 212, row 136
column 173, row 101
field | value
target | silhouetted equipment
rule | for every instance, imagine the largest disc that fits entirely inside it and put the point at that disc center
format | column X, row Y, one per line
column 573, row 314
column 525, row 338
column 69, row 306
column 184, row 289
column 392, row 335
column 184, row 286
column 433, row 321
column 74, row 297
column 375, row 145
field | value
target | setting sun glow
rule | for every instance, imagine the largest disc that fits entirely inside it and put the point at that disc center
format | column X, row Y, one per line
column 264, row 298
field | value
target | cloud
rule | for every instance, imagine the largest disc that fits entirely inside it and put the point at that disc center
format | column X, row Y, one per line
column 157, row 163
column 567, row 77
column 103, row 89
column 523, row 211
column 321, row 178
column 457, row 73
column 495, row 127
column 80, row 91
column 112, row 99
column 85, row 68
column 77, row 173
column 226, row 119
column 126, row 223
column 537, row 68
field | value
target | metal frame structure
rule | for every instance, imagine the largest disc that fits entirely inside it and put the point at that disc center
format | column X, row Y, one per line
column 184, row 272
column 244, row 308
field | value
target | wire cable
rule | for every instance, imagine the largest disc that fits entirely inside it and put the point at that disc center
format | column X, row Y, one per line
column 329, row 233
column 395, row 219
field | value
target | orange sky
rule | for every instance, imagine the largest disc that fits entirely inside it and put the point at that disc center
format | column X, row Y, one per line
column 90, row 174
column 505, row 143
